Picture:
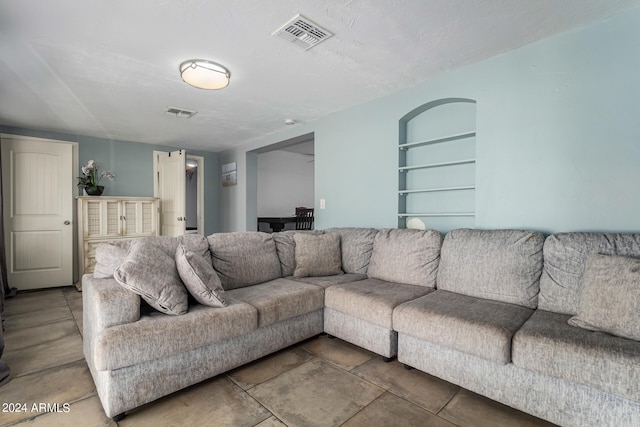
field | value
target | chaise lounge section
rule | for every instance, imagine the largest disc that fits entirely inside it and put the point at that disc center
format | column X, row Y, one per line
column 485, row 330
column 137, row 355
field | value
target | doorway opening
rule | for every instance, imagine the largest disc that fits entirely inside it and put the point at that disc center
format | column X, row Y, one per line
column 285, row 180
column 194, row 194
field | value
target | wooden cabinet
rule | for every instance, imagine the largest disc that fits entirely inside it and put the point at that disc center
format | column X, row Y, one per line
column 108, row 219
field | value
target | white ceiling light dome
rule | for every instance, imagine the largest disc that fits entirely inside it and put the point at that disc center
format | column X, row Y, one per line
column 204, row 74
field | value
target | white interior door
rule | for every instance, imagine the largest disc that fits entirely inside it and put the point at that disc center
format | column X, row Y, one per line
column 171, row 189
column 37, row 179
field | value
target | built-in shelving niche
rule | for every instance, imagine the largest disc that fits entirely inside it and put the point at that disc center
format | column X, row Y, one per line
column 437, row 165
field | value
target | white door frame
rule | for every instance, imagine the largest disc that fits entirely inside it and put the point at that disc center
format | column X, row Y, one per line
column 200, row 193
column 200, row 177
column 74, row 191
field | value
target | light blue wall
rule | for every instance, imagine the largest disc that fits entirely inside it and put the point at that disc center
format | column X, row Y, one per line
column 132, row 163
column 558, row 140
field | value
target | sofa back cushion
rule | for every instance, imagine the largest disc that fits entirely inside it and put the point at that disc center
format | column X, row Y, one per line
column 500, row 265
column 565, row 258
column 110, row 256
column 610, row 296
column 406, row 256
column 244, row 258
column 357, row 247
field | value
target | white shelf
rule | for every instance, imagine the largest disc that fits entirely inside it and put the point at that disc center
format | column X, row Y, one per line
column 406, row 215
column 433, row 190
column 436, row 165
column 437, row 140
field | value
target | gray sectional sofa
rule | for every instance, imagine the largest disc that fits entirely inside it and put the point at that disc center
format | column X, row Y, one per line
column 548, row 326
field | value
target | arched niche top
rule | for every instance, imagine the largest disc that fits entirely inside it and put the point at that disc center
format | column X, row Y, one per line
column 438, row 102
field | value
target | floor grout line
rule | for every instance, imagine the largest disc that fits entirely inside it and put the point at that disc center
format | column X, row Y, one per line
column 364, row 407
column 72, row 312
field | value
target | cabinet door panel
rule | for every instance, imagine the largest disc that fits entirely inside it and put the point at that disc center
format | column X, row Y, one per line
column 102, row 218
column 140, row 218
column 113, row 218
column 131, row 218
column 148, row 218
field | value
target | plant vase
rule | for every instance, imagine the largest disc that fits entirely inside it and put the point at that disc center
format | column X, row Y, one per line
column 94, row 191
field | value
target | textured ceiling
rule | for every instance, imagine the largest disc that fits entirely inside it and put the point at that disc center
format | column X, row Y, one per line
column 109, row 68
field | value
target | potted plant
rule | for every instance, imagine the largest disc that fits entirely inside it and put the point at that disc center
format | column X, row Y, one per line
column 91, row 178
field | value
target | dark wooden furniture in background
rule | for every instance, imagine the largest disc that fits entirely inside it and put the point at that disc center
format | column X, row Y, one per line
column 304, row 218
column 276, row 223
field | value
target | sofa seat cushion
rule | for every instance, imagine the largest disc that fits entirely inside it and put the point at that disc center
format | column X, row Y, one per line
column 475, row 326
column 547, row 344
column 501, row 265
column 326, row 281
column 280, row 299
column 157, row 335
column 406, row 256
column 244, row 258
column 372, row 300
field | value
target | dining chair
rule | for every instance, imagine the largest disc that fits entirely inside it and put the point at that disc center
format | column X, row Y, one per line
column 304, row 218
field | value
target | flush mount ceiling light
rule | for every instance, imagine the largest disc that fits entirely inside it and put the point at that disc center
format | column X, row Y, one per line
column 204, row 74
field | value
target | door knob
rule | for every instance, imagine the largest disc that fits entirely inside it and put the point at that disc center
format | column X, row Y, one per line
column 67, row 222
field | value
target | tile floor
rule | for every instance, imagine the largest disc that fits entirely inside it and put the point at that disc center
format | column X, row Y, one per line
column 319, row 382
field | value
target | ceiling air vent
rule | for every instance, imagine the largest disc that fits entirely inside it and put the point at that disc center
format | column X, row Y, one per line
column 179, row 112
column 302, row 32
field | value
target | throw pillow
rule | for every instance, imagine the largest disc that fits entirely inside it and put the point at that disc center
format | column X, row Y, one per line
column 109, row 256
column 610, row 296
column 317, row 255
column 200, row 279
column 152, row 274
column 286, row 250
column 356, row 245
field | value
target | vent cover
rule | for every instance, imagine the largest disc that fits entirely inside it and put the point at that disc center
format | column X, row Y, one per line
column 302, row 32
column 179, row 112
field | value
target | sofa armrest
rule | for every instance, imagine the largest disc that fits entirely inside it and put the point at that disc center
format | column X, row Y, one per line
column 106, row 303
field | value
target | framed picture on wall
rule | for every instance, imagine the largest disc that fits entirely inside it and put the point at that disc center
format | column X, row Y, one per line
column 229, row 174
